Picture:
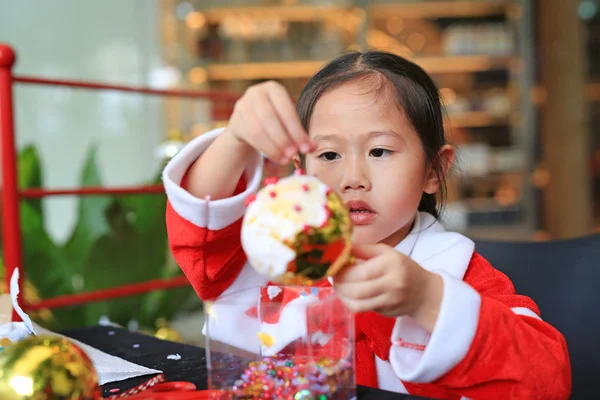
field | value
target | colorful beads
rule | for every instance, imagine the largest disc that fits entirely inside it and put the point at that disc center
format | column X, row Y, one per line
column 282, row 377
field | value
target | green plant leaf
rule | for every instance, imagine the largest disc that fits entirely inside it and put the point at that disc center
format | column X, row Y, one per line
column 91, row 222
column 30, row 173
column 44, row 264
column 116, row 240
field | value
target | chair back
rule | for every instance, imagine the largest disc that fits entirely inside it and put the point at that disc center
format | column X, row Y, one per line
column 563, row 278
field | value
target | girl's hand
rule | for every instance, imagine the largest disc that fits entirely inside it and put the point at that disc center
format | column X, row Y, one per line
column 390, row 283
column 265, row 118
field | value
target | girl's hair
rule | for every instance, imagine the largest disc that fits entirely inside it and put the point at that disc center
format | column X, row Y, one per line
column 416, row 94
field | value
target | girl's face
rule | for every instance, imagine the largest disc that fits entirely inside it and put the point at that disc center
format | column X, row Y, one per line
column 368, row 152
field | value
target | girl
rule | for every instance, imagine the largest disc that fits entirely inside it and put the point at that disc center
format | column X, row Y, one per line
column 433, row 317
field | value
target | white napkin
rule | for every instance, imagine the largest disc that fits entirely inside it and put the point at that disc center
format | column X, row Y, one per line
column 109, row 368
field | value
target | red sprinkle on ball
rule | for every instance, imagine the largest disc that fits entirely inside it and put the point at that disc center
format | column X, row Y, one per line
column 299, row 172
column 306, row 229
column 297, row 208
column 273, row 194
column 271, row 180
column 250, row 199
column 305, row 187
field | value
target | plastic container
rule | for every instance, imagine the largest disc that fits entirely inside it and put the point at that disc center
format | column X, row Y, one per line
column 280, row 343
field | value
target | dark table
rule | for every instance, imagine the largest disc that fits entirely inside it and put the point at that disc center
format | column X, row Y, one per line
column 152, row 353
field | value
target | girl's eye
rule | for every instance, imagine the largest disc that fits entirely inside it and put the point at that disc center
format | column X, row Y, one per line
column 378, row 153
column 329, row 156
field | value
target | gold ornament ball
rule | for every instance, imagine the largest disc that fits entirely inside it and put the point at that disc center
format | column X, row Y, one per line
column 168, row 333
column 47, row 367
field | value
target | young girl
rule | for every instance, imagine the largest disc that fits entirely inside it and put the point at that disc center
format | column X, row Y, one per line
column 434, row 318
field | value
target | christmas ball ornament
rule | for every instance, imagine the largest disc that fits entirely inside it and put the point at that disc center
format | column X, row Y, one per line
column 296, row 230
column 47, row 367
column 166, row 332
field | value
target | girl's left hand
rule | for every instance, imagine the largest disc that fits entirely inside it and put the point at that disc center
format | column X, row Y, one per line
column 390, row 283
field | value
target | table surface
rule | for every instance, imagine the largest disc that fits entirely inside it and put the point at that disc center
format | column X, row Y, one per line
column 152, row 353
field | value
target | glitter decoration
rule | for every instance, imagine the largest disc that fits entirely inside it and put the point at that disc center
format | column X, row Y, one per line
column 111, row 333
column 47, row 367
column 297, row 231
column 136, row 346
column 114, row 390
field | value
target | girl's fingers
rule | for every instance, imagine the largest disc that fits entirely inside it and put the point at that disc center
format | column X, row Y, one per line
column 363, row 305
column 364, row 271
column 259, row 139
column 286, row 111
column 272, row 127
column 361, row 290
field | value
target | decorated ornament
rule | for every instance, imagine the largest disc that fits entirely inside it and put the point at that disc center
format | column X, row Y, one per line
column 47, row 367
column 296, row 230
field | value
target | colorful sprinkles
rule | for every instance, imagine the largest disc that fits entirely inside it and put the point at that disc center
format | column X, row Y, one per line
column 283, row 377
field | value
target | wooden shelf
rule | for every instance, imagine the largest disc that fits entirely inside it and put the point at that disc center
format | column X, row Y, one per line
column 310, row 13
column 297, row 13
column 263, row 70
column 475, row 119
column 306, row 69
column 441, row 9
column 592, row 91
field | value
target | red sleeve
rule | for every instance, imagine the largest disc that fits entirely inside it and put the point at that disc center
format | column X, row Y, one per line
column 513, row 355
column 210, row 259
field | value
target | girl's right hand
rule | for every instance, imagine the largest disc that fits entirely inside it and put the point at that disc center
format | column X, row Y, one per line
column 265, row 118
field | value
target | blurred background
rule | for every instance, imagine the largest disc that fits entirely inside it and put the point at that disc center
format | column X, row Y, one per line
column 520, row 81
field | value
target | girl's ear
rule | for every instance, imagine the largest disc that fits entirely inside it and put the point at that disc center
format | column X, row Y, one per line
column 432, row 183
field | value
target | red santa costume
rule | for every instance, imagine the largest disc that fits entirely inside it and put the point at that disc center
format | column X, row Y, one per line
column 488, row 341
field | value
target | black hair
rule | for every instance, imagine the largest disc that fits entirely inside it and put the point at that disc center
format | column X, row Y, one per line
column 416, row 93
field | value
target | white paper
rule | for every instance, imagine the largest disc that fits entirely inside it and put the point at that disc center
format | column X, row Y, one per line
column 14, row 294
column 14, row 331
column 109, row 368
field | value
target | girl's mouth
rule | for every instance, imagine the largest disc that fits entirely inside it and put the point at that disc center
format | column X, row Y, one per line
column 360, row 212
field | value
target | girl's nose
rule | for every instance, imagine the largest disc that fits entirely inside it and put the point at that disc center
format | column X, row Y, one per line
column 355, row 175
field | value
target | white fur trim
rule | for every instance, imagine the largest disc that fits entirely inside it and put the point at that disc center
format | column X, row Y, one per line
column 525, row 311
column 450, row 340
column 291, row 326
column 204, row 213
column 227, row 321
column 386, row 378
